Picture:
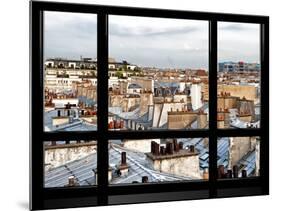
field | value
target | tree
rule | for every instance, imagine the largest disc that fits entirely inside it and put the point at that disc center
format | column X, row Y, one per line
column 119, row 74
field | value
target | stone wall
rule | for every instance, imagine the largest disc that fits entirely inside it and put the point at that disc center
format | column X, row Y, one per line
column 180, row 120
column 127, row 103
column 247, row 91
column 180, row 166
column 146, row 99
column 60, row 120
column 141, row 145
column 227, row 102
column 239, row 147
column 58, row 155
column 160, row 116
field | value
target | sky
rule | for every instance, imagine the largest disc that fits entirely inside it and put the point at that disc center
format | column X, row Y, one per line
column 153, row 42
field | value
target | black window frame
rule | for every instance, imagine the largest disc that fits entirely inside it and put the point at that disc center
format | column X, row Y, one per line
column 103, row 194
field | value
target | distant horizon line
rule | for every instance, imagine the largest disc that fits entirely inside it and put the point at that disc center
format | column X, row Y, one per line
column 121, row 61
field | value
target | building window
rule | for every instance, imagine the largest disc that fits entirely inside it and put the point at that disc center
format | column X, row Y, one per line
column 177, row 107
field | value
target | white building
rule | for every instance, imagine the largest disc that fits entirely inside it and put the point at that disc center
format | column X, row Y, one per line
column 196, row 95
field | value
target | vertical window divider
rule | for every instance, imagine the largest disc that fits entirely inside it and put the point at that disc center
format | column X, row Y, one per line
column 36, row 101
column 264, row 125
column 102, row 96
column 213, row 40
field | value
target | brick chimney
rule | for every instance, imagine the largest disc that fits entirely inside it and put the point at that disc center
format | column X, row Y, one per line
column 221, row 172
column 123, row 168
column 235, row 171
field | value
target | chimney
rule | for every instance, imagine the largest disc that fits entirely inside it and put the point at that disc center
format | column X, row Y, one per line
column 156, row 148
column 206, row 174
column 235, row 171
column 176, row 146
column 58, row 112
column 180, row 145
column 123, row 158
column 144, row 179
column 111, row 125
column 221, row 171
column 169, row 148
column 229, row 173
column 162, row 150
column 121, row 124
column 71, row 181
column 115, row 123
column 191, row 148
column 96, row 175
column 152, row 147
column 244, row 173
column 109, row 174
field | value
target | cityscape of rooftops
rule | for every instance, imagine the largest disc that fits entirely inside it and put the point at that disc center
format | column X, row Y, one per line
column 157, row 80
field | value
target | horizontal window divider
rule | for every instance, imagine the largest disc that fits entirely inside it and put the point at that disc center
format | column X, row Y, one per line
column 69, row 192
column 238, row 132
column 147, row 12
column 239, row 182
column 157, row 134
column 73, row 135
column 95, row 135
column 157, row 187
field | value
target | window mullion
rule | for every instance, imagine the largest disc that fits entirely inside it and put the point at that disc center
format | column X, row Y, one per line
column 212, row 106
column 102, row 40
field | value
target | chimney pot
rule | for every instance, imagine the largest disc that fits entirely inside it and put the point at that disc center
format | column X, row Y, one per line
column 71, row 181
column 169, row 148
column 221, row 171
column 156, row 149
column 180, row 145
column 191, row 148
column 206, row 174
column 235, row 171
column 175, row 145
column 244, row 173
column 152, row 147
column 229, row 173
column 144, row 179
column 162, row 150
column 123, row 158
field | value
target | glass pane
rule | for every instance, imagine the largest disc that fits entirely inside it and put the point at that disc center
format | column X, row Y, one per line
column 158, row 73
column 158, row 160
column 238, row 157
column 239, row 75
column 69, row 163
column 70, row 70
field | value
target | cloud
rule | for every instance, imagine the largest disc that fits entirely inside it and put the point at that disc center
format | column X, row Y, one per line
column 70, row 35
column 119, row 30
column 238, row 27
column 158, row 42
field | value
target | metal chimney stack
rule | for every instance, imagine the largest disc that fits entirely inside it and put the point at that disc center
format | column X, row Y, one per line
column 123, row 158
